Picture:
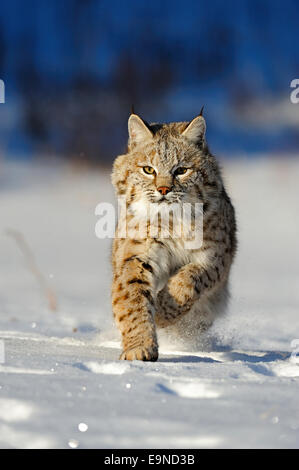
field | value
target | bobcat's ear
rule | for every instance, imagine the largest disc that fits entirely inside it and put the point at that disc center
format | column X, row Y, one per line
column 196, row 129
column 138, row 129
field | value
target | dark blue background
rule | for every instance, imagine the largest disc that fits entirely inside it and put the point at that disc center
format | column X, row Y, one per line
column 73, row 68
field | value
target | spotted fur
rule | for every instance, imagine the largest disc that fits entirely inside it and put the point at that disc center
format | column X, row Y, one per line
column 158, row 281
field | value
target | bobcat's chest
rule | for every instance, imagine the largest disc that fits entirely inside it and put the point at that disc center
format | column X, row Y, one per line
column 168, row 256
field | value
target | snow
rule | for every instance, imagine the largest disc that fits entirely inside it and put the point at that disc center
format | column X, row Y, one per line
column 61, row 383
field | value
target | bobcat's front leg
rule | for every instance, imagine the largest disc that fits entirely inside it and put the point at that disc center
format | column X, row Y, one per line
column 183, row 289
column 133, row 306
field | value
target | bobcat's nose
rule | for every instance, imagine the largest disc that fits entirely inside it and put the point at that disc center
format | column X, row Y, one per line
column 164, row 190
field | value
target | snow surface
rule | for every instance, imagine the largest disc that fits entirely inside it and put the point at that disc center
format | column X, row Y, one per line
column 61, row 384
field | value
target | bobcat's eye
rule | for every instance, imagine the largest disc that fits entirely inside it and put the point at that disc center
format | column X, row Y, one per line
column 180, row 171
column 149, row 170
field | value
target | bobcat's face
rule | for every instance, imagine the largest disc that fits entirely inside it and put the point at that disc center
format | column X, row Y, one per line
column 164, row 174
column 165, row 162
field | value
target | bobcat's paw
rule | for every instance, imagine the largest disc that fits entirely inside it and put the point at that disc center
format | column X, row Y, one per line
column 181, row 288
column 140, row 353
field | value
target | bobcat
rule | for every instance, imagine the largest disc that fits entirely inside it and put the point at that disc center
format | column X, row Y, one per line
column 156, row 280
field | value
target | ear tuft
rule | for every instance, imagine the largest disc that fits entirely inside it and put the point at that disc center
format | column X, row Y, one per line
column 138, row 130
column 196, row 129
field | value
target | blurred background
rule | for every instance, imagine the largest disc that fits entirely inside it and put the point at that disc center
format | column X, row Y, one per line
column 73, row 69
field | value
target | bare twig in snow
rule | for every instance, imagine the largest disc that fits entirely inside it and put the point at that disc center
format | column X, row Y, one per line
column 32, row 266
